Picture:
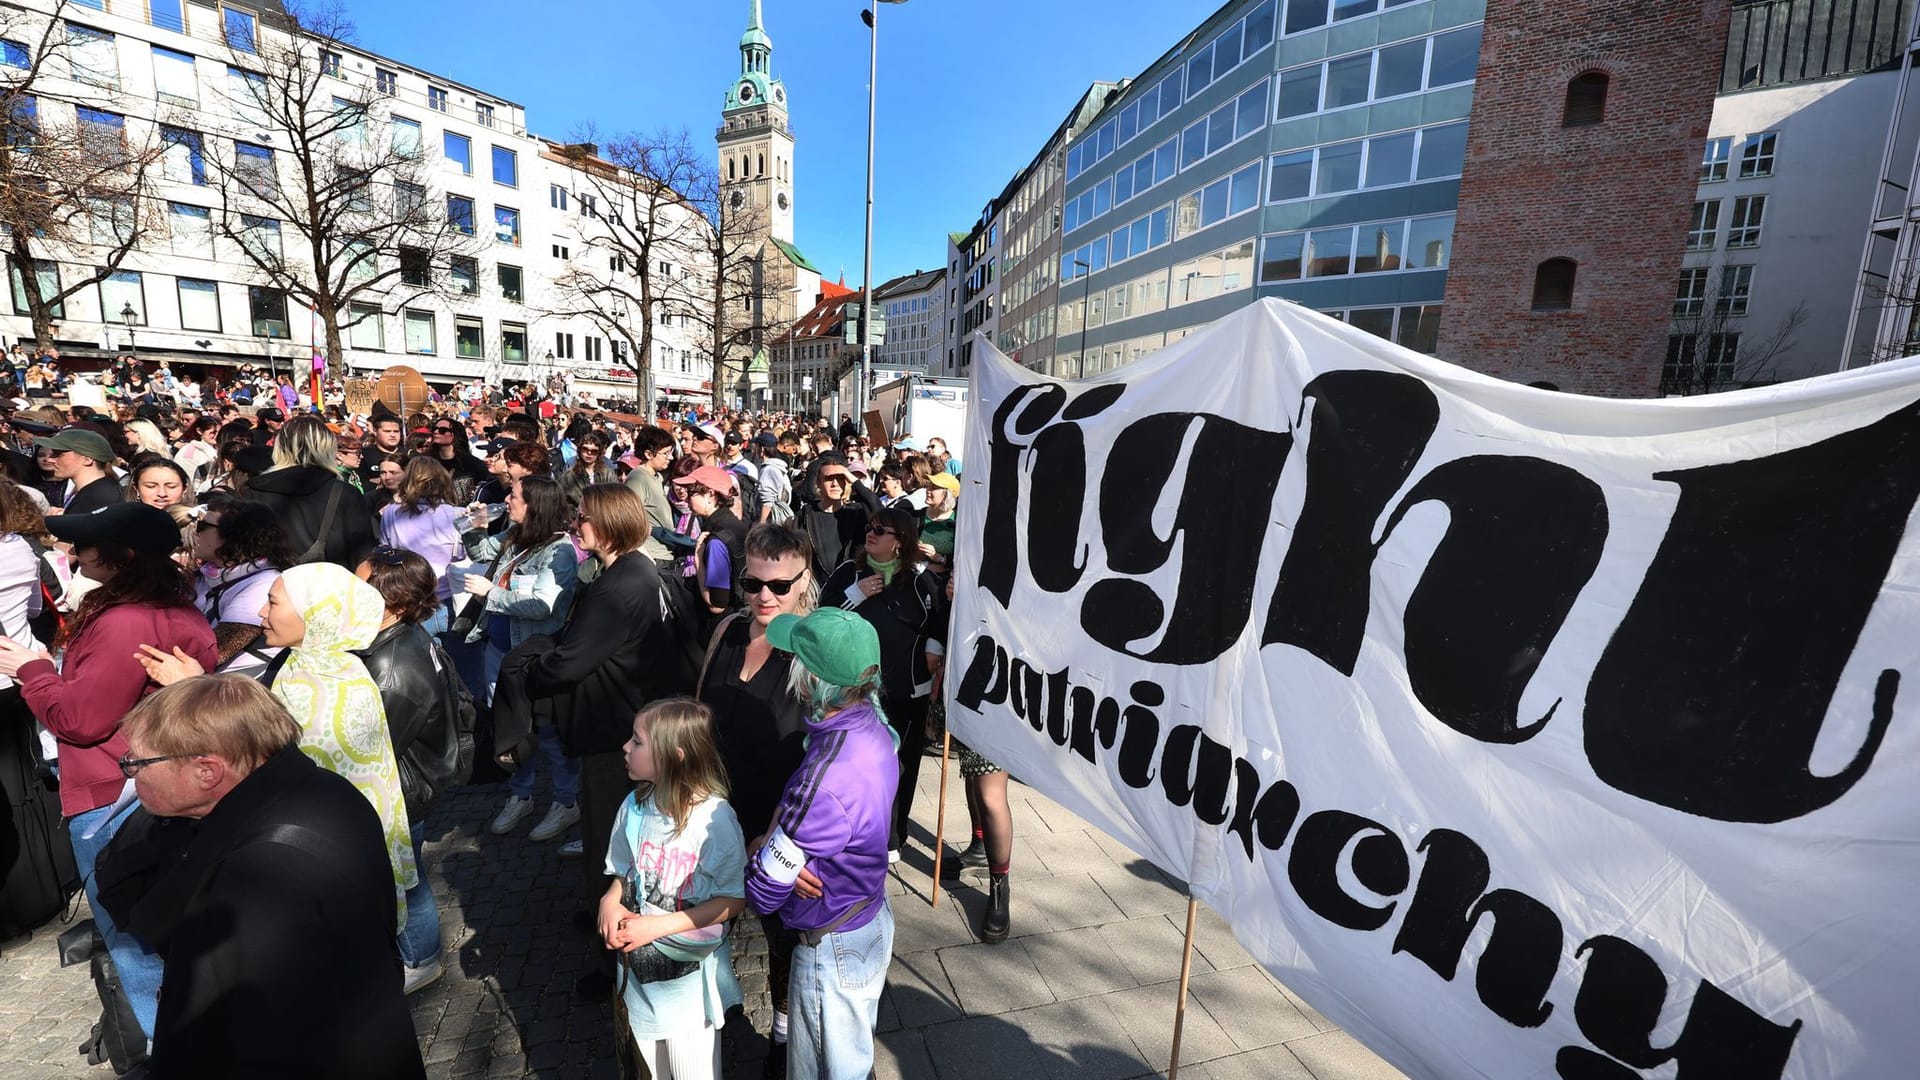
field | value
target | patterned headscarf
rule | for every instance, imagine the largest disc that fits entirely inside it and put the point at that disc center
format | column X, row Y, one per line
column 343, row 725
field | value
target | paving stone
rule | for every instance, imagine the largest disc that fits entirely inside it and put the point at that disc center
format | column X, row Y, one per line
column 1214, row 939
column 1080, row 1039
column 1251, row 1010
column 1336, row 1055
column 1077, row 963
column 1150, row 948
column 918, row 927
column 1069, row 852
column 1270, row 1063
column 901, row 1055
column 1138, row 889
column 983, row 1045
column 918, row 991
column 1060, row 903
column 991, row 980
column 1146, row 1014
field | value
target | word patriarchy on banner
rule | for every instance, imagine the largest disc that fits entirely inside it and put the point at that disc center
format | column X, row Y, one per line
column 1523, row 734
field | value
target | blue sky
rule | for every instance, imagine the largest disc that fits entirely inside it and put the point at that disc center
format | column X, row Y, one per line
column 969, row 88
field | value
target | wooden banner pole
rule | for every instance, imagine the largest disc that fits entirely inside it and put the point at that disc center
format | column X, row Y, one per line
column 940, row 819
column 1180, row 1009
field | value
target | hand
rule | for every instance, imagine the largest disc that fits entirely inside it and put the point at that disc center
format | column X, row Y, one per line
column 477, row 585
column 807, row 886
column 167, row 669
column 872, row 584
column 638, row 930
column 14, row 656
column 52, row 510
column 612, row 912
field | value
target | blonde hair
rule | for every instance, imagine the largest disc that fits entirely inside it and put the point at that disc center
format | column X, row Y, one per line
column 145, row 435
column 232, row 717
column 305, row 440
column 686, row 761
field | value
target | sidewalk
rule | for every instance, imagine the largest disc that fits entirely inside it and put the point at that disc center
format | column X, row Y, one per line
column 1084, row 987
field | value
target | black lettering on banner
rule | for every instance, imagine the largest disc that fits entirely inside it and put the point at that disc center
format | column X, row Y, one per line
column 1712, row 692
column 1619, row 1005
column 1378, row 862
column 1058, row 479
column 1196, row 770
column 1523, row 539
column 1000, row 534
column 985, row 680
column 1222, row 518
column 1517, row 966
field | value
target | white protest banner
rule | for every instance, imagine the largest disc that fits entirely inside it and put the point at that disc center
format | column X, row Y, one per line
column 1523, row 734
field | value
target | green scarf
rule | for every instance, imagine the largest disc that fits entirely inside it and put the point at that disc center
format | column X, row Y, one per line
column 886, row 570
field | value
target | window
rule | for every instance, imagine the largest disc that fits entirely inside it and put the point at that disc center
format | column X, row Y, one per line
column 248, row 96
column 1704, row 227
column 509, row 278
column 483, row 114
column 458, row 149
column 1429, row 241
column 596, row 353
column 92, row 56
column 240, row 31
column 560, row 252
column 350, row 122
column 1280, row 257
column 1398, row 69
column 506, row 225
column 506, row 167
column 557, row 196
column 119, row 291
column 174, row 81
column 1456, row 55
column 1389, row 160
column 513, row 342
column 469, row 337
column 589, row 206
column 1330, row 252
column 1744, row 230
column 1685, row 370
column 102, row 134
column 1756, row 157
column 199, row 305
column 414, row 267
column 267, row 310
column 563, row 346
column 46, row 274
column 253, row 167
column 192, row 228
column 460, row 214
column 357, row 255
column 437, row 98
column 1736, row 287
column 1224, row 126
column 1553, row 285
column 419, row 332
column 409, row 200
column 1443, row 151
column 1586, row 100
column 464, row 272
column 14, row 54
column 1691, row 298
column 329, row 63
column 1420, row 328
column 1713, row 162
column 1290, row 176
column 405, row 136
column 365, row 331
column 1348, row 80
column 387, row 82
column 260, row 238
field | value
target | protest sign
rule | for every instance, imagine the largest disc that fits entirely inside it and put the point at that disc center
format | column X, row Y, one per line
column 1523, row 734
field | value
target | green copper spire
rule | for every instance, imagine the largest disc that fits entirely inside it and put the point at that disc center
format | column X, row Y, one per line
column 756, row 35
column 756, row 85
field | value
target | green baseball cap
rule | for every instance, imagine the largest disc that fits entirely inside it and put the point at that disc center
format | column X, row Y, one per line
column 86, row 443
column 834, row 643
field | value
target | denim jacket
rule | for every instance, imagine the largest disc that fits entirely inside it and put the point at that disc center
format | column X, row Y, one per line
column 532, row 609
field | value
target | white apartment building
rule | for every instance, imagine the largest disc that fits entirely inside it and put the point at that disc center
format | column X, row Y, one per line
column 915, row 307
column 164, row 71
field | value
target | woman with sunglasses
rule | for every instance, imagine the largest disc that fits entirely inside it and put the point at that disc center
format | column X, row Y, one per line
column 240, row 550
column 448, row 445
column 836, row 523
column 884, row 585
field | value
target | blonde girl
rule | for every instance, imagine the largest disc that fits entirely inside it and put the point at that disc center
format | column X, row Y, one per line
column 680, row 863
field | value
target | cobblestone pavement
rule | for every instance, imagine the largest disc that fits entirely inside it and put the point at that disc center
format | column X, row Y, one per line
column 1085, row 987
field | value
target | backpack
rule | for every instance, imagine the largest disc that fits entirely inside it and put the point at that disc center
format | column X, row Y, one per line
column 460, row 719
column 749, row 489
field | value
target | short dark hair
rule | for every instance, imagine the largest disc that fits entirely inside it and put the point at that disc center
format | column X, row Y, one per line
column 772, row 540
column 251, row 532
column 530, row 456
column 386, row 418
column 619, row 517
column 546, row 514
column 405, row 581
column 651, row 440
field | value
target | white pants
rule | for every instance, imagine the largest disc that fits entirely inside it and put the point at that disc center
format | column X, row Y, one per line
column 694, row 1056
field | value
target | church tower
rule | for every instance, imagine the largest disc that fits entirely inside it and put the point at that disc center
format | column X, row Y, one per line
column 756, row 147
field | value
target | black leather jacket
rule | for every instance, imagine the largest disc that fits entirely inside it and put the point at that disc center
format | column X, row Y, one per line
column 412, row 691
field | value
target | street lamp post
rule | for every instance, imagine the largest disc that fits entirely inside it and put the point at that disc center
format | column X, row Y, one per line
column 1086, row 311
column 871, row 17
column 129, row 317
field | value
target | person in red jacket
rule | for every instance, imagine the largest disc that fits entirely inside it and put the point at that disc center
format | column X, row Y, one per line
column 144, row 598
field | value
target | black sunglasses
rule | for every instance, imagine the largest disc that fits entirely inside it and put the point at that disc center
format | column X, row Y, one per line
column 780, row 587
column 880, row 530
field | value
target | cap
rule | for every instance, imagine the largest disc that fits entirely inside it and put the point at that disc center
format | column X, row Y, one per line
column 86, row 443
column 734, row 438
column 767, row 439
column 268, row 413
column 137, row 525
column 908, row 442
column 494, row 446
column 946, row 481
column 712, row 477
column 834, row 643
column 708, row 431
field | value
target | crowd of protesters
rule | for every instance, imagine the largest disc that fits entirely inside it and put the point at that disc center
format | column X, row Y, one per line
column 259, row 641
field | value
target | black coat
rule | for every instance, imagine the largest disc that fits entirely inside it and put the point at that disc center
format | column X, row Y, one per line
column 905, row 616
column 837, row 535
column 278, row 931
column 298, row 497
column 631, row 638
column 413, row 693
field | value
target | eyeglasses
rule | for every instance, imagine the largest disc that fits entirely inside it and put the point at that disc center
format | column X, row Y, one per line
column 129, row 765
column 387, row 555
column 779, row 586
column 880, row 530
column 443, row 431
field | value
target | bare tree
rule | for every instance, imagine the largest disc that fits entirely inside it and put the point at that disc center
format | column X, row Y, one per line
column 76, row 191
column 1711, row 346
column 329, row 201
column 748, row 275
column 1897, row 292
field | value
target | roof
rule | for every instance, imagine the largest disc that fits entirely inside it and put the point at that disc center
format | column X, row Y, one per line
column 829, row 290
column 918, row 281
column 793, row 255
column 824, row 319
column 760, row 361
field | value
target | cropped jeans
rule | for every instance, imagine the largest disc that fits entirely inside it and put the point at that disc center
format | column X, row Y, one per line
column 833, row 1001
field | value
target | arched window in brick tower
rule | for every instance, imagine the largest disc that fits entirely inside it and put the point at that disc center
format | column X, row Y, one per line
column 1586, row 99
column 1553, row 285
column 762, row 171
column 730, row 175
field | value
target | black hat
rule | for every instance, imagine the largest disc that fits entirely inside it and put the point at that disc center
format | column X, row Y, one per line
column 268, row 413
column 254, row 460
column 766, row 439
column 136, row 525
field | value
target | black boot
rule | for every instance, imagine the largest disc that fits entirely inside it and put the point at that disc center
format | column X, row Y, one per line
column 996, row 920
column 974, row 856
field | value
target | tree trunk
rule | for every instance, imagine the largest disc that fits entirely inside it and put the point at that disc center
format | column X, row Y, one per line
column 336, row 352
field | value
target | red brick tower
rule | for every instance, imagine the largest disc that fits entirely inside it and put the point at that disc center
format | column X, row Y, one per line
column 1583, row 156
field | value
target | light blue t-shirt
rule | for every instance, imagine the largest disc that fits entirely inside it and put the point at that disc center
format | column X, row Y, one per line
column 673, row 873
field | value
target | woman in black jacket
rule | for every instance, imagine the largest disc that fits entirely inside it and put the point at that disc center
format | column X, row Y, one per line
column 836, row 523
column 884, row 585
column 414, row 694
column 325, row 517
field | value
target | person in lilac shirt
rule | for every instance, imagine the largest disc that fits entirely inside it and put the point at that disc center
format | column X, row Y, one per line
column 424, row 520
column 823, row 866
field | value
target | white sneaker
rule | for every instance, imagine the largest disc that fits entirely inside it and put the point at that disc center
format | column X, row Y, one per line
column 572, row 849
column 510, row 815
column 556, row 822
column 424, row 975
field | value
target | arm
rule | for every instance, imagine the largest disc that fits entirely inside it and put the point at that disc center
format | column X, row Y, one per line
column 481, row 547
column 83, row 704
column 823, row 833
column 604, row 622
column 552, row 587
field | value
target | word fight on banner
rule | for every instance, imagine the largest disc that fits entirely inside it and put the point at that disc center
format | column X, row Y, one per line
column 1523, row 734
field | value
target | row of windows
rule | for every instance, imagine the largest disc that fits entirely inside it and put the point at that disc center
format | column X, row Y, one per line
column 1407, row 67
column 908, row 307
column 1422, row 243
column 123, row 298
column 1743, row 228
column 1756, row 157
column 1363, row 164
column 1736, row 289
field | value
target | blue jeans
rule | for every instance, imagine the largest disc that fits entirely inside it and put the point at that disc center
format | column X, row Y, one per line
column 139, row 969
column 420, row 938
column 833, row 1001
column 565, row 770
